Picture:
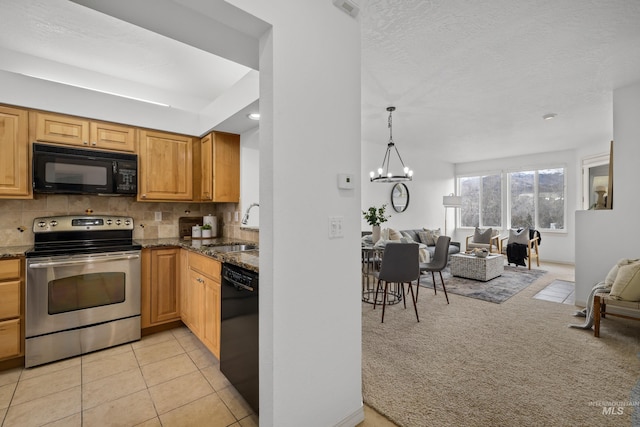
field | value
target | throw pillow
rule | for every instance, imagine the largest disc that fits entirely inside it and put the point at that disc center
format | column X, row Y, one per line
column 521, row 237
column 627, row 284
column 482, row 236
column 611, row 275
column 429, row 237
column 394, row 234
column 407, row 237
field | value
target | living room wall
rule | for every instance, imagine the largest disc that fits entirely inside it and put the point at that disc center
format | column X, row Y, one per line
column 557, row 246
column 605, row 236
column 431, row 180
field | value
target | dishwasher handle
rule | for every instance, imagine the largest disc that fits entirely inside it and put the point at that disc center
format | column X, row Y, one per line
column 238, row 284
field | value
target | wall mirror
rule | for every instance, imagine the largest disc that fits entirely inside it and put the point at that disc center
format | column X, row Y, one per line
column 400, row 197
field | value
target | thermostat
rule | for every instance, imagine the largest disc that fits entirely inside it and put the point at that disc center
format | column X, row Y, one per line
column 345, row 181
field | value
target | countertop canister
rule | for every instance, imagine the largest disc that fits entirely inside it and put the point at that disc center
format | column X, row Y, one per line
column 212, row 221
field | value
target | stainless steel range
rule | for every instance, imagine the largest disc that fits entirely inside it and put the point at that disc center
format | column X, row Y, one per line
column 82, row 287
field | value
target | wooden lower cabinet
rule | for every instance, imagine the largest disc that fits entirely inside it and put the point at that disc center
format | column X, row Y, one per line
column 10, row 339
column 160, row 286
column 178, row 284
column 11, row 308
column 201, row 300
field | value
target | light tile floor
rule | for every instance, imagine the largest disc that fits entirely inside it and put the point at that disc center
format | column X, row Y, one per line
column 167, row 379
column 561, row 290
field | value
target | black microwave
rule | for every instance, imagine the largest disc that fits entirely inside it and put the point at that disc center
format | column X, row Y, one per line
column 63, row 170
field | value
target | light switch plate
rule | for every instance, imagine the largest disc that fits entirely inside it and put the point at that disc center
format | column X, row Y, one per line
column 335, row 227
column 158, row 216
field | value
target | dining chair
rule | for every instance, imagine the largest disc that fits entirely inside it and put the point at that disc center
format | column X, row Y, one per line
column 438, row 263
column 400, row 264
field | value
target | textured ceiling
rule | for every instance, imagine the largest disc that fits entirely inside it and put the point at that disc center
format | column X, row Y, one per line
column 471, row 80
column 65, row 42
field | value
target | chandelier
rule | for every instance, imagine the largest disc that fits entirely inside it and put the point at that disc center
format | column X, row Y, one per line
column 384, row 174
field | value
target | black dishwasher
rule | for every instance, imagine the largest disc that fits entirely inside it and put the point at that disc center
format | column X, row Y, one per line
column 239, row 331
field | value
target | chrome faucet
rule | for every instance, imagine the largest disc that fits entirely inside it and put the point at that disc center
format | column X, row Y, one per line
column 245, row 218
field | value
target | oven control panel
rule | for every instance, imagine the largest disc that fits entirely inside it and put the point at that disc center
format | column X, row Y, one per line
column 53, row 224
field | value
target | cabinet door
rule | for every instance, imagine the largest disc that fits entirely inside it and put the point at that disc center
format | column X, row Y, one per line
column 160, row 294
column 211, row 326
column 195, row 304
column 165, row 169
column 10, row 339
column 110, row 136
column 206, row 168
column 165, row 275
column 14, row 145
column 226, row 167
column 62, row 129
column 9, row 299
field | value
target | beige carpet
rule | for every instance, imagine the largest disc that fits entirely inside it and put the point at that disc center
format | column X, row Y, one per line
column 474, row 363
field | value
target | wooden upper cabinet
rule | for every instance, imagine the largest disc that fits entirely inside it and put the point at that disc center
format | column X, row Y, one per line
column 220, row 167
column 165, row 166
column 61, row 129
column 110, row 136
column 70, row 130
column 14, row 161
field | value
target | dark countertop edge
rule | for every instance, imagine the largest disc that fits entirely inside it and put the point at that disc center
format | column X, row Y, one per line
column 14, row 251
column 246, row 259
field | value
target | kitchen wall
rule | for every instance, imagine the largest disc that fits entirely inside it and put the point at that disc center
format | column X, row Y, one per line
column 16, row 216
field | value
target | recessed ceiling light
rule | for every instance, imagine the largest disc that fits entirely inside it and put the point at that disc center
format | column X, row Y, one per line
column 254, row 116
column 549, row 116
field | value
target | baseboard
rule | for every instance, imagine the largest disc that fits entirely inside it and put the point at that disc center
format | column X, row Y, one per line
column 161, row 328
column 353, row 419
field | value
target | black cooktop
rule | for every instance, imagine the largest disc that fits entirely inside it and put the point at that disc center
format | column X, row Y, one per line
column 72, row 235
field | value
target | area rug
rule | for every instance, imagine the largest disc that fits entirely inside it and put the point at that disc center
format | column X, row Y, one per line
column 498, row 290
column 470, row 363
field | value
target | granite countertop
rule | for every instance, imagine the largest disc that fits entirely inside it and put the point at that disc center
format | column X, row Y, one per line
column 13, row 251
column 245, row 259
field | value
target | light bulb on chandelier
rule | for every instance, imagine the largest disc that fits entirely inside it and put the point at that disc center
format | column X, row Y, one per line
column 407, row 174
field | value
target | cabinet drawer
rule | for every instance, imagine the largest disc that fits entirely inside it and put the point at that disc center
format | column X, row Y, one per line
column 10, row 338
column 9, row 299
column 205, row 265
column 10, row 269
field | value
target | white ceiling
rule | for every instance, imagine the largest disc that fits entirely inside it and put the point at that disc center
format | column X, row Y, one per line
column 64, row 42
column 470, row 80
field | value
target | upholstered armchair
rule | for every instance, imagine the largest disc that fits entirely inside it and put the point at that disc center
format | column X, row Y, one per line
column 529, row 237
column 485, row 239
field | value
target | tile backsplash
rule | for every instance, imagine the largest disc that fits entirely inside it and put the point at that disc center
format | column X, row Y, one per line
column 16, row 216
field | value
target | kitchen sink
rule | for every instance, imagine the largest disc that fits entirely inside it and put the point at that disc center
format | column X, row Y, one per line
column 234, row 248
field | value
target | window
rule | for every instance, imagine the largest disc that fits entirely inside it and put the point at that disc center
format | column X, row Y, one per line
column 481, row 201
column 533, row 198
column 551, row 199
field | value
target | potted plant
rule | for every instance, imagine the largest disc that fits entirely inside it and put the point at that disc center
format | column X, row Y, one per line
column 206, row 231
column 375, row 217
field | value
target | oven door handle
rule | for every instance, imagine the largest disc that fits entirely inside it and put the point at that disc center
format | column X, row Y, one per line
column 81, row 261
